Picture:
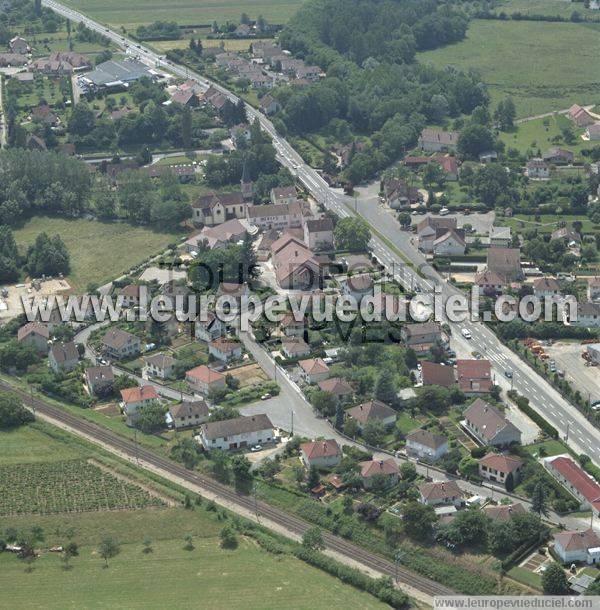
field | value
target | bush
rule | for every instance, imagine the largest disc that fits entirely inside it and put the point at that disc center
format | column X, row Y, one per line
column 523, row 405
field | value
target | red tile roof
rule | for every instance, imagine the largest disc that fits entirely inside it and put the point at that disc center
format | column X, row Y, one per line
column 502, row 463
column 372, row 468
column 437, row 374
column 144, row 392
column 474, row 375
column 321, row 449
column 578, row 478
column 205, row 374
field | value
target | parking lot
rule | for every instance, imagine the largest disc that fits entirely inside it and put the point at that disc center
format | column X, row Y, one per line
column 568, row 358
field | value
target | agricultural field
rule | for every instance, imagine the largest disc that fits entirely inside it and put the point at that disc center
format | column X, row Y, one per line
column 66, row 487
column 543, row 66
column 170, row 577
column 98, row 252
column 233, row 44
column 203, row 12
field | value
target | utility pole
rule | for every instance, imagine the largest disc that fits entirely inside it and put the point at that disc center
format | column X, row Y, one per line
column 568, row 428
column 398, row 556
column 292, row 430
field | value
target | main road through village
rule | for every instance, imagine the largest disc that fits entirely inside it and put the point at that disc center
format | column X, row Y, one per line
column 394, row 250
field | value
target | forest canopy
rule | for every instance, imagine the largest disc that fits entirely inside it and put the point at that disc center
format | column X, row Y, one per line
column 374, row 84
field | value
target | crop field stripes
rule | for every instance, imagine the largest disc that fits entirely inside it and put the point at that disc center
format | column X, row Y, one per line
column 66, row 487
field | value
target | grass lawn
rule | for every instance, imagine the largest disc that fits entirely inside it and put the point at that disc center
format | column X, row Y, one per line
column 546, row 223
column 543, row 66
column 526, row 577
column 99, row 251
column 406, row 423
column 539, row 133
column 203, row 12
column 245, row 578
column 550, row 447
column 34, row 444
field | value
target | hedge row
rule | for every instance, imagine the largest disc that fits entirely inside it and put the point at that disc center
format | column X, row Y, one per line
column 524, row 406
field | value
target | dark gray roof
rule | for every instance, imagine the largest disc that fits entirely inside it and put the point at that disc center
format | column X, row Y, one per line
column 116, row 338
column 99, row 373
column 238, row 425
column 64, row 352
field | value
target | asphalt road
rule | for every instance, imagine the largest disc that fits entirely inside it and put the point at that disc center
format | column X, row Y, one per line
column 573, row 426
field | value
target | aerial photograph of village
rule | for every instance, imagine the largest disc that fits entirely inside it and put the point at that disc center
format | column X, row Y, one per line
column 299, row 304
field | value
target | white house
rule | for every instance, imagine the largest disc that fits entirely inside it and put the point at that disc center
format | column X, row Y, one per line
column 372, row 410
column 63, row 357
column 318, row 233
column 294, row 347
column 224, row 349
column 135, row 398
column 203, row 379
column 159, row 365
column 537, row 169
column 588, row 315
column 189, row 414
column 581, row 547
column 489, row 426
column 546, row 287
column 576, row 481
column 441, row 492
column 497, row 468
column 208, row 329
column 313, row 370
column 426, row 445
column 371, row 470
column 322, row 454
column 450, row 243
column 237, row 433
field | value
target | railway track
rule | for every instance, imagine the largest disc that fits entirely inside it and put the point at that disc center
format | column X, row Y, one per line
column 290, row 522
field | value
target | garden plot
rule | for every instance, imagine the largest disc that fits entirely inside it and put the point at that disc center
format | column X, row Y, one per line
column 67, row 486
column 249, row 375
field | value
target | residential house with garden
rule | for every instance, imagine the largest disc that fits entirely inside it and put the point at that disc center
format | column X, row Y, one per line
column 35, row 334
column 132, row 399
column 500, row 468
column 203, row 379
column 441, row 493
column 576, row 481
column 160, row 366
column 99, row 380
column 426, row 445
column 372, row 410
column 63, row 357
column 321, row 453
column 474, row 376
column 372, row 471
column 189, row 414
column 313, row 370
column 578, row 547
column 238, row 433
column 120, row 344
column 488, row 426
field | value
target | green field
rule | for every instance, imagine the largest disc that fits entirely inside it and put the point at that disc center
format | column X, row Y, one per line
column 208, row 577
column 539, row 134
column 33, row 444
column 99, row 251
column 545, row 7
column 543, row 66
column 202, row 12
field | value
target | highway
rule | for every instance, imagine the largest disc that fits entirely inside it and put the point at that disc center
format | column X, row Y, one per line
column 573, row 426
column 225, row 495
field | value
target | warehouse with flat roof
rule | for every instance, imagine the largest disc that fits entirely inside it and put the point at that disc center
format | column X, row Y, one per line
column 115, row 73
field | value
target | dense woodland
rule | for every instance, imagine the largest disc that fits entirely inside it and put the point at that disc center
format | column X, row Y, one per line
column 374, row 86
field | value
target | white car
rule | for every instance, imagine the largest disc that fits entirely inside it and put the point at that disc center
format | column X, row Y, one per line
column 466, row 334
column 255, row 448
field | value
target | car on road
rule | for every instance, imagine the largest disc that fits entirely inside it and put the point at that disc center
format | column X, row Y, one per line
column 266, row 397
column 255, row 448
column 465, row 333
column 508, row 374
